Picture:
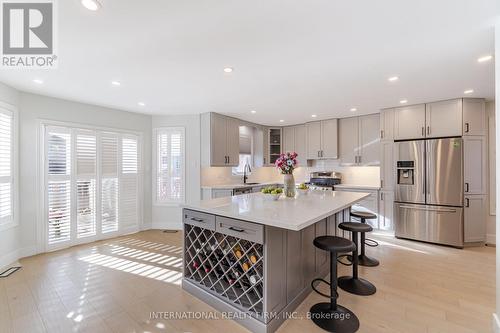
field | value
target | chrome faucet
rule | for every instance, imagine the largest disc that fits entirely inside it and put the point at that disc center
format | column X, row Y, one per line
column 246, row 171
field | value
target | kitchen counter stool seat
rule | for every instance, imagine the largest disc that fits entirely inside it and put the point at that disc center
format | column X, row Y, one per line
column 329, row 315
column 363, row 259
column 354, row 284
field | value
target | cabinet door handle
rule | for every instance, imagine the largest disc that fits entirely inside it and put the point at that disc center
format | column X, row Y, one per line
column 228, row 160
column 466, row 127
column 466, row 187
column 423, row 131
column 382, row 183
column 236, row 229
column 321, row 153
column 197, row 220
column 467, row 203
column 382, row 196
column 381, row 134
column 428, row 130
column 359, row 157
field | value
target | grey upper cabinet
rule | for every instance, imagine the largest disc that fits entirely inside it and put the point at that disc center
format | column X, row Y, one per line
column 329, row 138
column 369, row 139
column 443, row 119
column 313, row 130
column 322, row 139
column 359, row 140
column 474, row 117
column 219, row 140
column 348, row 140
column 456, row 117
column 294, row 140
column 409, row 122
column 387, row 125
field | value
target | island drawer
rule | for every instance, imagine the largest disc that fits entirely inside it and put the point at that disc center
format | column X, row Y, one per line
column 198, row 219
column 241, row 229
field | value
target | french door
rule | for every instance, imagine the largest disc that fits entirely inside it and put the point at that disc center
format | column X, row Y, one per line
column 92, row 185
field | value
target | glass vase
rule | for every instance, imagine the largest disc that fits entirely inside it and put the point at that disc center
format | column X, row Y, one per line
column 289, row 185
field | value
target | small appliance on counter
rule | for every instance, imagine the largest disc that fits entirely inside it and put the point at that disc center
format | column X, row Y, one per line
column 324, row 180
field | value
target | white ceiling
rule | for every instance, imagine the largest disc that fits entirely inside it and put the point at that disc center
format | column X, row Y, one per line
column 291, row 58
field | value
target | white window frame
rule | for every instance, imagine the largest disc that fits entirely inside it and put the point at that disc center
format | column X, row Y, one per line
column 154, row 177
column 42, row 223
column 12, row 110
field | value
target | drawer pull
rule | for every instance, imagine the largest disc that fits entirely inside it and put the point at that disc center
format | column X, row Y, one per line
column 236, row 229
column 197, row 220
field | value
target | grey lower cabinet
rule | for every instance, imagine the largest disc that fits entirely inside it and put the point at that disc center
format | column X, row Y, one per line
column 260, row 271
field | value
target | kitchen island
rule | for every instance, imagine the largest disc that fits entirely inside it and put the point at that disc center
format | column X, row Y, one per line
column 253, row 258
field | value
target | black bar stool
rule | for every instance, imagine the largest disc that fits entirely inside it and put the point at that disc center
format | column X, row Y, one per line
column 330, row 316
column 354, row 284
column 365, row 260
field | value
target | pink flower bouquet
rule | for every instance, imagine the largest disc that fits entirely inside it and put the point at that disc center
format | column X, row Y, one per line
column 286, row 163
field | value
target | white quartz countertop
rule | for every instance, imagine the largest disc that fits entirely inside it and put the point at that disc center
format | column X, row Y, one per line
column 288, row 213
column 233, row 186
column 357, row 187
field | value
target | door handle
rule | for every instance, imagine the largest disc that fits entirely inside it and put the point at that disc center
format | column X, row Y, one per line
column 467, row 203
column 466, row 187
column 437, row 210
column 236, row 229
column 466, row 127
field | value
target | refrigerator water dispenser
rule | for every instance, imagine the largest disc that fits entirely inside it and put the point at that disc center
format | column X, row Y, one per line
column 406, row 172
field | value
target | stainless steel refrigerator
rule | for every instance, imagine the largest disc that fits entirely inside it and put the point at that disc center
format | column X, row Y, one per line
column 429, row 195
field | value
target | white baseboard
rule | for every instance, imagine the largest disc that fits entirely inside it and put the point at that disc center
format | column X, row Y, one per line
column 491, row 239
column 8, row 259
column 496, row 323
column 167, row 225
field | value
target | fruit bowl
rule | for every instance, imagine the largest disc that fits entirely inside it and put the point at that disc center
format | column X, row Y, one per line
column 303, row 191
column 273, row 197
column 272, row 193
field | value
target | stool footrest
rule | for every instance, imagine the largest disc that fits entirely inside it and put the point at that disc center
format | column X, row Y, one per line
column 370, row 242
column 339, row 259
column 321, row 293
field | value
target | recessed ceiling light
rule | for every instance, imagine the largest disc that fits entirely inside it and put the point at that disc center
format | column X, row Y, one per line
column 403, row 101
column 253, row 111
column 282, row 121
column 38, row 81
column 92, row 5
column 468, row 91
column 141, row 104
column 393, row 78
column 354, row 109
column 228, row 69
column 485, row 58
column 314, row 116
column 116, row 83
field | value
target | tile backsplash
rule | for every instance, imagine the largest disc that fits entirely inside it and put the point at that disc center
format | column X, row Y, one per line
column 365, row 175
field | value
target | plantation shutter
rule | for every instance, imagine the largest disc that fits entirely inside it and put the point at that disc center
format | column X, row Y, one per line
column 170, row 180
column 6, row 177
column 109, row 182
column 86, row 160
column 128, row 184
column 58, row 184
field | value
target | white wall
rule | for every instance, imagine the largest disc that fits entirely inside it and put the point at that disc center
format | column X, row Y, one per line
column 33, row 109
column 10, row 249
column 496, row 321
column 170, row 217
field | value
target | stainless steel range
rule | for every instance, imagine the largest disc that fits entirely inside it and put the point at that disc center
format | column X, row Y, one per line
column 429, row 195
column 324, row 180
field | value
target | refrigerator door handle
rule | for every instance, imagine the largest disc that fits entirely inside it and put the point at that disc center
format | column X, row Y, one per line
column 427, row 209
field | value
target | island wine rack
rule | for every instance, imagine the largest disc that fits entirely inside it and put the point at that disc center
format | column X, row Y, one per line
column 230, row 267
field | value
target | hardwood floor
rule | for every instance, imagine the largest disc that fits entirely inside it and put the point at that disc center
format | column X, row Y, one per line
column 114, row 285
